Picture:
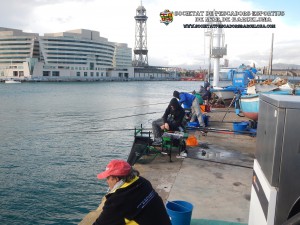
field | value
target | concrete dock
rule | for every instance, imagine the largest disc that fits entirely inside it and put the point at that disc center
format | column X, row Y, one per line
column 218, row 184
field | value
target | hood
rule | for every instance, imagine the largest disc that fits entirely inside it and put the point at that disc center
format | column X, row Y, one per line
column 174, row 102
column 176, row 94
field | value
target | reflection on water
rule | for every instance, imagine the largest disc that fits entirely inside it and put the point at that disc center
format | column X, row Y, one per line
column 55, row 138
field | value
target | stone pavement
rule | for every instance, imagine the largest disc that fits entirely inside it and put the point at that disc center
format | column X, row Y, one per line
column 217, row 184
column 217, row 191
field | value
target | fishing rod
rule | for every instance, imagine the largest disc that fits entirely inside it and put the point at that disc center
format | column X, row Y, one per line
column 218, row 121
column 205, row 129
column 220, row 130
column 136, row 106
column 216, row 130
column 98, row 131
column 224, row 163
column 111, row 130
column 121, row 117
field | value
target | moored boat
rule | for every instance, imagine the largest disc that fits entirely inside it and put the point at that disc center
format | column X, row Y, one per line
column 224, row 92
column 240, row 79
column 12, row 82
column 250, row 105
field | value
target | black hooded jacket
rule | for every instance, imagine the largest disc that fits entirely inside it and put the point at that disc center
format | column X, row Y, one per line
column 174, row 117
column 135, row 203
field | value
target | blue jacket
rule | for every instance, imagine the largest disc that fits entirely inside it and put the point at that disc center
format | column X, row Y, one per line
column 186, row 99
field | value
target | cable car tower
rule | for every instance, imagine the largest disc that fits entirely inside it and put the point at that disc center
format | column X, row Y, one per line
column 140, row 49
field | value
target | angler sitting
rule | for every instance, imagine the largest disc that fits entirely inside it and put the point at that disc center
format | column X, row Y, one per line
column 170, row 121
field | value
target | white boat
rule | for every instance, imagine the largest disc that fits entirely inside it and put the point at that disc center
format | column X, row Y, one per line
column 223, row 92
column 240, row 79
column 13, row 82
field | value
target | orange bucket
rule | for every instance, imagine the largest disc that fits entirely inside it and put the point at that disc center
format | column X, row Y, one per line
column 202, row 107
column 191, row 141
column 205, row 108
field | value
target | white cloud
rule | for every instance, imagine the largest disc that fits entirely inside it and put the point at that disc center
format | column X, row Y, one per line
column 170, row 45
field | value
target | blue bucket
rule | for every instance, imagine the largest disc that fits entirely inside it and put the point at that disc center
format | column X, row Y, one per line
column 205, row 119
column 239, row 126
column 193, row 124
column 180, row 212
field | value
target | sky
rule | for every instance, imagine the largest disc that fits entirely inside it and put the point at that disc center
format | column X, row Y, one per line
column 168, row 45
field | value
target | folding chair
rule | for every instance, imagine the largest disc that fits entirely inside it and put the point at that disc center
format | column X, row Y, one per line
column 141, row 150
column 173, row 139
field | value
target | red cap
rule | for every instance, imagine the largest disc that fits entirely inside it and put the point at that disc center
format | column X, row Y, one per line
column 115, row 168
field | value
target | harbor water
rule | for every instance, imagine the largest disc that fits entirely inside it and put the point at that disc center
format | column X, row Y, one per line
column 56, row 137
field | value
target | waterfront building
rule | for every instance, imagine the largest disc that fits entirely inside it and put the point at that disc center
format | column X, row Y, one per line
column 18, row 51
column 71, row 55
column 74, row 55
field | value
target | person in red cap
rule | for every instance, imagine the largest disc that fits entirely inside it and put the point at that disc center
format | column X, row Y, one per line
column 131, row 198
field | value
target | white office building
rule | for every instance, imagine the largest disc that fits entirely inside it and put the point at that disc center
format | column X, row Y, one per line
column 71, row 55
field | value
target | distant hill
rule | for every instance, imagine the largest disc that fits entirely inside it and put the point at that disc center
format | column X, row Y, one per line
column 282, row 66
